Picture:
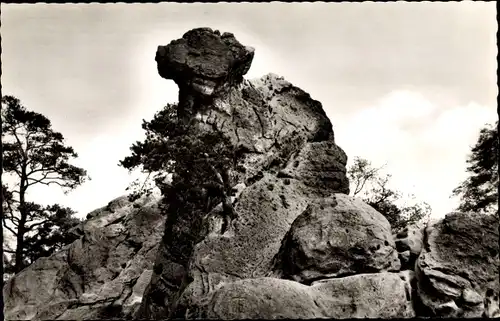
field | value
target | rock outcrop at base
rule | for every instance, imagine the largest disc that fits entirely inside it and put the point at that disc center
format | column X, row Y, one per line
column 297, row 247
column 361, row 296
column 101, row 275
column 458, row 268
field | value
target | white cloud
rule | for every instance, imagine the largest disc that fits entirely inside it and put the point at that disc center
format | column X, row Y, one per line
column 424, row 146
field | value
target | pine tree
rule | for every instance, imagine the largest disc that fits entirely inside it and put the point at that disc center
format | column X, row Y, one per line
column 200, row 163
column 33, row 154
column 479, row 192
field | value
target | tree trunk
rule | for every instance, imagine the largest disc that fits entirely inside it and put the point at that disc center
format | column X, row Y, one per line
column 19, row 265
column 227, row 206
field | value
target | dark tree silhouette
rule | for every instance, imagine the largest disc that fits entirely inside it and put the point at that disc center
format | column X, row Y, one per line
column 479, row 192
column 33, row 153
column 200, row 163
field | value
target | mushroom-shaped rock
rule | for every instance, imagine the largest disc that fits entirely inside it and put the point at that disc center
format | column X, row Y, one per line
column 204, row 62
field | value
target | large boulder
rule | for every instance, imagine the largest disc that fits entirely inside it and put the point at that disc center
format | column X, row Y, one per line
column 101, row 275
column 268, row 298
column 377, row 295
column 337, row 237
column 457, row 270
column 381, row 295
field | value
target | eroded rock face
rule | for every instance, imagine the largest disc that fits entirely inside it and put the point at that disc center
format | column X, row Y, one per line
column 409, row 243
column 270, row 120
column 320, row 165
column 204, row 54
column 458, row 267
column 377, row 295
column 101, row 275
column 267, row 298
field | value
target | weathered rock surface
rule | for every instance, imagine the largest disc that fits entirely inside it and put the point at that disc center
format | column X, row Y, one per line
column 377, row 295
column 205, row 55
column 382, row 295
column 320, row 165
column 457, row 270
column 268, row 298
column 270, row 119
column 409, row 243
column 103, row 274
column 337, row 237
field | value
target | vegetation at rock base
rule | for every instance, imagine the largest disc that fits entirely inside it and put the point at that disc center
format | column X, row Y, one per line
column 374, row 186
column 200, row 163
column 34, row 154
column 479, row 192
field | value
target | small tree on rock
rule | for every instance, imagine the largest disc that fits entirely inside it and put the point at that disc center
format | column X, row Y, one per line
column 200, row 163
column 479, row 192
column 376, row 192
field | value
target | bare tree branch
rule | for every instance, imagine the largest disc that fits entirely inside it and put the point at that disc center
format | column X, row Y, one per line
column 12, row 219
column 14, row 132
column 8, row 228
column 50, row 170
column 46, row 180
column 29, row 228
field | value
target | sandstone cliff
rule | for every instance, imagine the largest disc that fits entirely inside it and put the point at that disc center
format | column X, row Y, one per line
column 299, row 246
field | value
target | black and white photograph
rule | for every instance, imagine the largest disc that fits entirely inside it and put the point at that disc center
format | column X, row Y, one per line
column 239, row 160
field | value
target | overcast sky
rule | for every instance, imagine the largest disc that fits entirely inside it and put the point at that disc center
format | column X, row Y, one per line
column 407, row 84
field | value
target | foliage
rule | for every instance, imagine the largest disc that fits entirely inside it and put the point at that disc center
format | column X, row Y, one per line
column 50, row 234
column 387, row 201
column 53, row 234
column 200, row 163
column 360, row 173
column 33, row 154
column 479, row 192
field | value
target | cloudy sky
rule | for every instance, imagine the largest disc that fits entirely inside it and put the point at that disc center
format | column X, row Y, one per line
column 407, row 84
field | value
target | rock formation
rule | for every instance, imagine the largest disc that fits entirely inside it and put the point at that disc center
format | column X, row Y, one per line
column 281, row 130
column 298, row 247
column 101, row 275
column 457, row 270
